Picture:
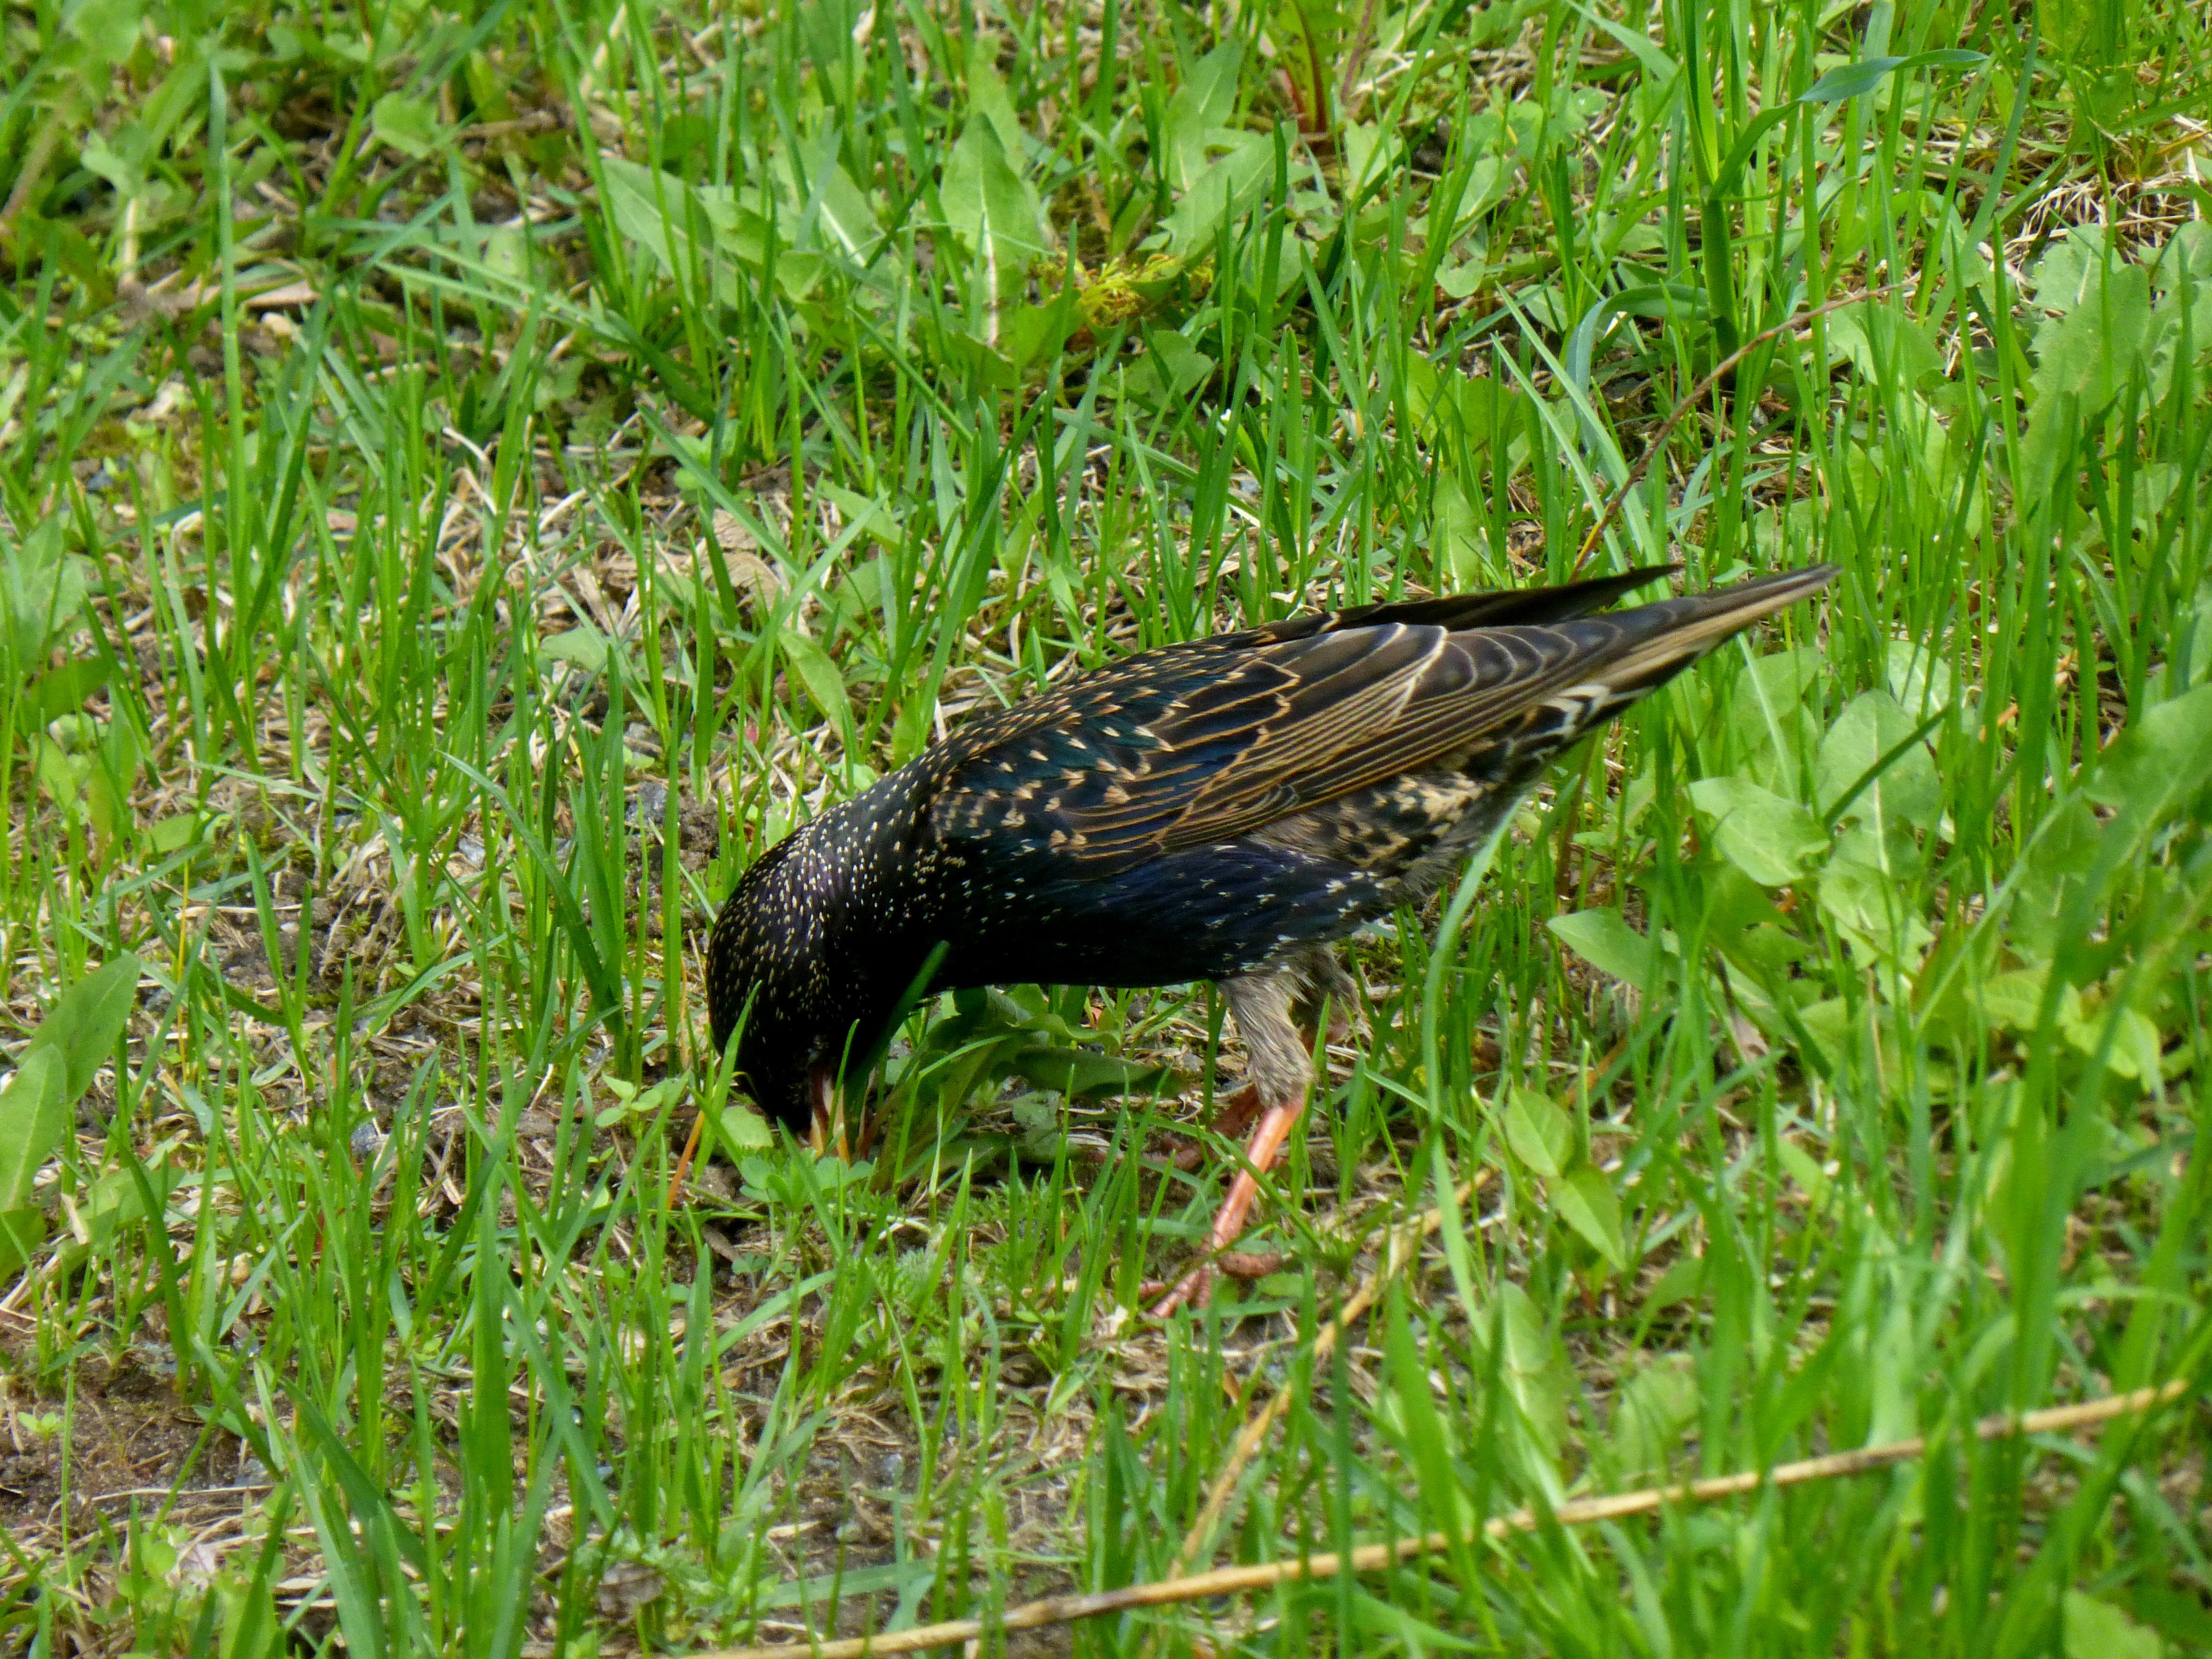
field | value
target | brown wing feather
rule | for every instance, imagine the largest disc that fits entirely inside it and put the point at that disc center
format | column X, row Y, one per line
column 1185, row 746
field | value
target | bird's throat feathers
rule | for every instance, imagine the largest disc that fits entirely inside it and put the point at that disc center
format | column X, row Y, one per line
column 819, row 935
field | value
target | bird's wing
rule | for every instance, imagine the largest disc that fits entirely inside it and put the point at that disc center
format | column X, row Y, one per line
column 1139, row 682
column 1180, row 748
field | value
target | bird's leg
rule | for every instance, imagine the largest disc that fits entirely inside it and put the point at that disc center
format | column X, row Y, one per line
column 826, row 1127
column 1233, row 1113
column 1259, row 1153
column 1278, row 1064
column 683, row 1163
column 1325, row 988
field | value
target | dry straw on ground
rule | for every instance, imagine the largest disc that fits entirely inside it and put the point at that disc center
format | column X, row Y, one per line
column 1373, row 1557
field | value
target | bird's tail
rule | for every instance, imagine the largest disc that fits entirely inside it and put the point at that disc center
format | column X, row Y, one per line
column 1658, row 641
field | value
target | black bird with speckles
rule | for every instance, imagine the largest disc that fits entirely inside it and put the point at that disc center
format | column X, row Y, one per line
column 1224, row 808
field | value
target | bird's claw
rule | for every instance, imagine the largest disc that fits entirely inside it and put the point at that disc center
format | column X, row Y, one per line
column 1233, row 1115
column 1251, row 1264
column 1196, row 1288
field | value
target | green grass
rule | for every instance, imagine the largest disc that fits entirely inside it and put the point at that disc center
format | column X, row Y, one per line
column 470, row 480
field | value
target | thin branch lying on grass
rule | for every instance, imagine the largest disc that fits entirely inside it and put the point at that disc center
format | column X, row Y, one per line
column 1373, row 1558
column 1697, row 394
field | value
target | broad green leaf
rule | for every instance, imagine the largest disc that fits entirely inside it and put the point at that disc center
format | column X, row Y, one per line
column 1805, row 1170
column 1386, row 1621
column 1878, row 916
column 2159, row 759
column 1904, row 798
column 1468, row 408
column 1887, row 346
column 582, row 645
column 2072, row 269
column 2134, row 1040
column 1079, row 1071
column 825, row 31
column 988, row 97
column 1200, row 105
column 1456, row 534
column 1459, row 277
column 34, row 1116
column 2013, row 1001
column 64, row 690
column 1172, row 370
column 1540, row 1134
column 127, row 178
column 1604, row 940
column 41, row 588
column 2097, row 1630
column 408, row 125
column 22, row 1231
column 1586, row 1201
column 743, row 1129
column 1921, row 680
column 108, row 28
column 2059, row 858
column 1856, row 80
column 992, row 209
column 83, row 1027
column 681, row 225
column 839, row 212
column 1536, row 1372
column 1369, row 153
column 62, row 767
column 1031, row 335
column 1226, row 190
column 174, row 833
column 2096, row 345
column 1771, row 840
column 1653, row 1409
column 1767, row 715
column 1685, row 1278
column 1827, row 1025
column 823, row 683
column 2182, row 274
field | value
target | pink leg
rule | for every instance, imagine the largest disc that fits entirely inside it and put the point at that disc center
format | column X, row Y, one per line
column 1232, row 1114
column 826, row 1128
column 1260, row 1155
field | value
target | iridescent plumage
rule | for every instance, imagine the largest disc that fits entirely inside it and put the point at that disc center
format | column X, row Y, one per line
column 1224, row 808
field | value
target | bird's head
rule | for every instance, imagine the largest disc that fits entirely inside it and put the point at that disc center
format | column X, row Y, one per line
column 796, row 969
column 764, row 981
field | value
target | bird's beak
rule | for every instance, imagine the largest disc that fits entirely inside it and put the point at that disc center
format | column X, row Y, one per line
column 827, row 1128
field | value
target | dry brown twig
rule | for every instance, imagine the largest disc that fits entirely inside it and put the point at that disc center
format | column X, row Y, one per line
column 1373, row 1558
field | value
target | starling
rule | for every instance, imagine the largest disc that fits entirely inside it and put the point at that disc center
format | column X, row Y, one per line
column 1224, row 808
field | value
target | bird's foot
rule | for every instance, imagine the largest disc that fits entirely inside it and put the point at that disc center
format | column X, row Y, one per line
column 1193, row 1288
column 1233, row 1113
column 1260, row 1154
column 1196, row 1287
column 826, row 1124
column 1251, row 1264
